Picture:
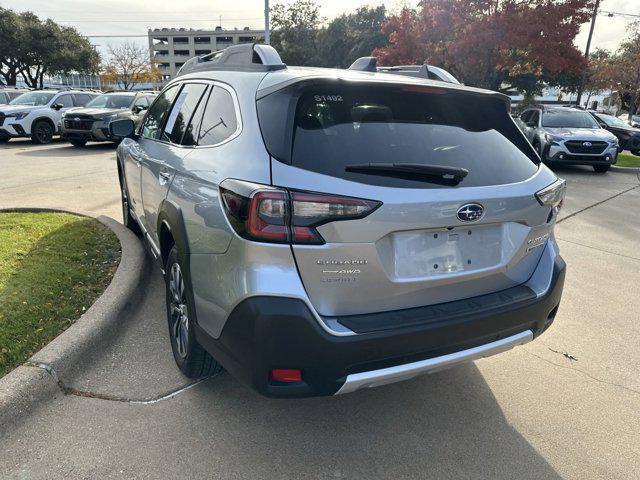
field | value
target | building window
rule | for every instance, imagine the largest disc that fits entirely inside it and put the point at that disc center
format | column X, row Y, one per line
column 247, row 39
column 162, row 53
column 164, row 65
column 180, row 39
column 160, row 40
column 202, row 52
column 179, row 64
column 224, row 39
column 181, row 53
column 202, row 39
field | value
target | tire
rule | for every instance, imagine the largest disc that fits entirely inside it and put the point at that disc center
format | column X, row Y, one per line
column 635, row 152
column 192, row 360
column 41, row 132
column 78, row 143
column 127, row 218
column 601, row 168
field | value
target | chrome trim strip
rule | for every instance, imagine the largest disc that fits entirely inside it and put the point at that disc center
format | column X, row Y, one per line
column 375, row 378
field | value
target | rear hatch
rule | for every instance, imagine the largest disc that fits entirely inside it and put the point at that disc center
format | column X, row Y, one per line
column 454, row 177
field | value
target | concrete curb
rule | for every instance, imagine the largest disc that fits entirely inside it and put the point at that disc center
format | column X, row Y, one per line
column 27, row 386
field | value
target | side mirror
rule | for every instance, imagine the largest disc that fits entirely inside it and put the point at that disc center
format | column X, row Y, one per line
column 139, row 108
column 57, row 106
column 122, row 128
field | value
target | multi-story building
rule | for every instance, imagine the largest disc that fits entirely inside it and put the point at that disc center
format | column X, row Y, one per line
column 170, row 48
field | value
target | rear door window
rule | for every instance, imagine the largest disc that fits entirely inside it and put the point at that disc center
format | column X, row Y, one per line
column 65, row 100
column 335, row 127
column 182, row 111
column 81, row 99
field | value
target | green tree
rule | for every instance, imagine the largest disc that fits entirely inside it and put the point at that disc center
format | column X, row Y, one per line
column 351, row 36
column 34, row 49
column 295, row 28
column 9, row 62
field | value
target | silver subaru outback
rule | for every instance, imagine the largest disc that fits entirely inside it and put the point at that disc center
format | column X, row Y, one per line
column 323, row 231
column 569, row 136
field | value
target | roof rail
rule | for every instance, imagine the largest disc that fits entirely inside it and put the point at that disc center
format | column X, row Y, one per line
column 244, row 57
column 365, row 64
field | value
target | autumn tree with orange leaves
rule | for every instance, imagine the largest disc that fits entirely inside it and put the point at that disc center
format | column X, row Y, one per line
column 495, row 44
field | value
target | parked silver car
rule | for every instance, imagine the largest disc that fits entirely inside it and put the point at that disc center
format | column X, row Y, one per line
column 569, row 136
column 322, row 231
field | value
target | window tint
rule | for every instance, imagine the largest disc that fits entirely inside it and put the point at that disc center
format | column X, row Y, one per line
column 334, row 127
column 81, row 99
column 141, row 101
column 526, row 115
column 182, row 110
column 219, row 121
column 3, row 98
column 158, row 112
column 65, row 101
column 190, row 136
column 535, row 116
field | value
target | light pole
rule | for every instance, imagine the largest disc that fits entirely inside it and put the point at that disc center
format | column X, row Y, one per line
column 586, row 52
column 266, row 22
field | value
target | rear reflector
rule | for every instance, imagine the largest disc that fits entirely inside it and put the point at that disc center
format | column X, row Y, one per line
column 285, row 375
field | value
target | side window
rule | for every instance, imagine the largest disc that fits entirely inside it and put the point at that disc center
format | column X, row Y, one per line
column 4, row 98
column 183, row 109
column 525, row 115
column 219, row 121
column 65, row 101
column 535, row 117
column 141, row 102
column 81, row 99
column 190, row 136
column 158, row 112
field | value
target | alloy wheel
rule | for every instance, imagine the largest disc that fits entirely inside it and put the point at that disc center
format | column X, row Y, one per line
column 178, row 310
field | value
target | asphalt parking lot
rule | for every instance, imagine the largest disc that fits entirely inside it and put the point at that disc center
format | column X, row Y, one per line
column 564, row 406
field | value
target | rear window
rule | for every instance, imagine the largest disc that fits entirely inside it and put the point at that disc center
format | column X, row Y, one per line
column 332, row 127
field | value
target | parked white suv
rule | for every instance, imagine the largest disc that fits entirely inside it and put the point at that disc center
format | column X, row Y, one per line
column 37, row 114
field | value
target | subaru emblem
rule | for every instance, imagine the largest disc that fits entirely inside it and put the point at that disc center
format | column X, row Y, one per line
column 470, row 212
column 587, row 144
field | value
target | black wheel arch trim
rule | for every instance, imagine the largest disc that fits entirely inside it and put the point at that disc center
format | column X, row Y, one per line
column 46, row 119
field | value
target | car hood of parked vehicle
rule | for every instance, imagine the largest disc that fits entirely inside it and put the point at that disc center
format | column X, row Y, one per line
column 626, row 129
column 8, row 109
column 582, row 133
column 94, row 112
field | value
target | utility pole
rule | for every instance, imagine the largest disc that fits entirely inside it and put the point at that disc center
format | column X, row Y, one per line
column 586, row 52
column 266, row 22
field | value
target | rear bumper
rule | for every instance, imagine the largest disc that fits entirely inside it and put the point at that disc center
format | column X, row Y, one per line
column 264, row 333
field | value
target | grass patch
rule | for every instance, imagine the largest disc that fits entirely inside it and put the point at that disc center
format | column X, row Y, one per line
column 628, row 160
column 53, row 266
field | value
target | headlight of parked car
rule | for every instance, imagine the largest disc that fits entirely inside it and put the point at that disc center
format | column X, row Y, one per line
column 18, row 115
column 552, row 138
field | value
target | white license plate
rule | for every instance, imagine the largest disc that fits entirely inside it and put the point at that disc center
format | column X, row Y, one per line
column 440, row 252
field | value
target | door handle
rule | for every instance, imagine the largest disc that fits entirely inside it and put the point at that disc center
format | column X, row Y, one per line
column 164, row 177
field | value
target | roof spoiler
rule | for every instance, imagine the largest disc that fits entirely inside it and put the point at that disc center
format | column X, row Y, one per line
column 365, row 64
column 244, row 57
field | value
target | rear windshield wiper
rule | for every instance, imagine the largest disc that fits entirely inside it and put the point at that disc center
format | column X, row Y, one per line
column 412, row 171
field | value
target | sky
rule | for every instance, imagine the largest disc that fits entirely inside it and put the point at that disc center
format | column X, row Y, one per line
column 127, row 17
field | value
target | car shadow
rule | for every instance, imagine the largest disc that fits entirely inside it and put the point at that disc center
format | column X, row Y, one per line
column 444, row 425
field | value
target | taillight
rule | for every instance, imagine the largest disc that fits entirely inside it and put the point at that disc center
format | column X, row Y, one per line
column 282, row 216
column 553, row 195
